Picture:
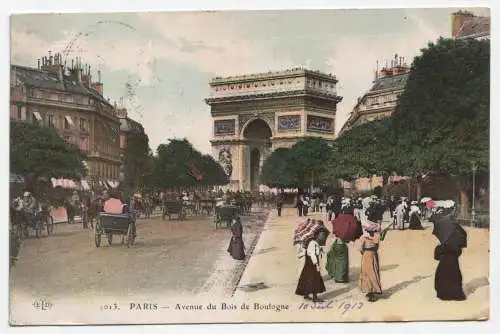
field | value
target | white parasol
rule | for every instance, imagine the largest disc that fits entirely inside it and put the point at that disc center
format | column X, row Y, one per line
column 425, row 199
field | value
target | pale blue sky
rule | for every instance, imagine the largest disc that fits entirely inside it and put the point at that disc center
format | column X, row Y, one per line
column 167, row 59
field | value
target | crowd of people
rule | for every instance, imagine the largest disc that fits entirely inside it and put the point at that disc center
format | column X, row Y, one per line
column 361, row 221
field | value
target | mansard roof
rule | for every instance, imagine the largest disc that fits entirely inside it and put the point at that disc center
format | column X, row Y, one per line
column 128, row 124
column 478, row 25
column 40, row 79
column 393, row 82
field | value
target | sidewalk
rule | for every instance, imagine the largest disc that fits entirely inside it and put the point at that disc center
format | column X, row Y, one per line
column 407, row 274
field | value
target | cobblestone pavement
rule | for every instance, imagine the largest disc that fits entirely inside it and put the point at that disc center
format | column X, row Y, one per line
column 169, row 257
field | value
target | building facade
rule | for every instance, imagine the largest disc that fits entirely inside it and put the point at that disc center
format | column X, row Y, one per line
column 257, row 113
column 67, row 99
column 465, row 24
column 127, row 126
column 380, row 100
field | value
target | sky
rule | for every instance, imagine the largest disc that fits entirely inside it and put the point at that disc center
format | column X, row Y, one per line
column 160, row 63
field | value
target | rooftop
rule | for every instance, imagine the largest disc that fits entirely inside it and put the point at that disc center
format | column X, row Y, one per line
column 37, row 78
column 395, row 81
column 477, row 25
column 273, row 74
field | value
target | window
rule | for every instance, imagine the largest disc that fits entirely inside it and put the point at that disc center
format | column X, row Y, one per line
column 19, row 112
column 50, row 120
column 83, row 124
column 68, row 122
column 84, row 144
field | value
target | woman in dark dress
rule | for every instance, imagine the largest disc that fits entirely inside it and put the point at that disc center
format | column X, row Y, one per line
column 415, row 223
column 448, row 279
column 236, row 247
column 310, row 280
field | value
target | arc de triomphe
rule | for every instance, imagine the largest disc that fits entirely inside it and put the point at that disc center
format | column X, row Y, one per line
column 257, row 113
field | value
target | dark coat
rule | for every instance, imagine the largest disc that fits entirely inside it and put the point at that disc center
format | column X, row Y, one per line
column 236, row 246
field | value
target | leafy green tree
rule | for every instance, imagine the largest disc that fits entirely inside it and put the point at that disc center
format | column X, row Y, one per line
column 309, row 157
column 277, row 170
column 363, row 151
column 303, row 165
column 441, row 122
column 38, row 152
column 179, row 165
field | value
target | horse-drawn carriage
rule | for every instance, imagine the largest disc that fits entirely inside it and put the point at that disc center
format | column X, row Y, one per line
column 174, row 208
column 110, row 224
column 225, row 214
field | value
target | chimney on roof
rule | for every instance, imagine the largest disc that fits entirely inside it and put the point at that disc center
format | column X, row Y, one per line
column 52, row 65
column 458, row 19
column 98, row 86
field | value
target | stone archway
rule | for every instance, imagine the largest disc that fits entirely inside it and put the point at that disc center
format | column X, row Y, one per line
column 257, row 135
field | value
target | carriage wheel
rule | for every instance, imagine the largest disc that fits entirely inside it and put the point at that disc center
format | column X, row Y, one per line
column 97, row 234
column 110, row 239
column 130, row 235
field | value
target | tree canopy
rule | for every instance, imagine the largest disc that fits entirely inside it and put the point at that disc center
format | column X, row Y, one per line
column 39, row 152
column 362, row 151
column 277, row 170
column 178, row 164
column 302, row 165
column 441, row 121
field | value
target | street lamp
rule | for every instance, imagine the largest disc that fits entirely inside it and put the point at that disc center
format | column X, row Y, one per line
column 473, row 211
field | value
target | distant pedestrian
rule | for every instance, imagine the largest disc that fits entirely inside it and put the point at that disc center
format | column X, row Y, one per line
column 415, row 213
column 279, row 203
column 236, row 246
column 370, row 268
column 305, row 205
column 399, row 216
column 310, row 280
column 299, row 204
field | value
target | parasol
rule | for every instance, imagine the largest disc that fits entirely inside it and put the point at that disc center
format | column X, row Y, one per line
column 306, row 231
column 430, row 204
column 425, row 199
column 113, row 205
column 449, row 232
column 346, row 227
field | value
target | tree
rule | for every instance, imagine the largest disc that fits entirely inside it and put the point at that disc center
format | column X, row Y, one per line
column 308, row 158
column 38, row 152
column 277, row 170
column 441, row 121
column 136, row 165
column 363, row 151
column 179, row 165
column 302, row 165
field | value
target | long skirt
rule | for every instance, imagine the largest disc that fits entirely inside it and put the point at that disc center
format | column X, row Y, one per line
column 400, row 220
column 369, row 280
column 448, row 279
column 236, row 248
column 337, row 262
column 415, row 223
column 310, row 280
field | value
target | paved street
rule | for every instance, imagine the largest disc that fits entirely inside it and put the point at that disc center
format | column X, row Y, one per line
column 169, row 258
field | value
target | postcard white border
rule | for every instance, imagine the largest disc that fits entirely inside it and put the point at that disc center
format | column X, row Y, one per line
column 26, row 6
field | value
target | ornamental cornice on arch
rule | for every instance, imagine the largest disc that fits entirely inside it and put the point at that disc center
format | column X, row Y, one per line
column 257, row 96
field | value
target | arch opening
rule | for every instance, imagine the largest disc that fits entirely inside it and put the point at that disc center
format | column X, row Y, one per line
column 258, row 135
